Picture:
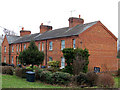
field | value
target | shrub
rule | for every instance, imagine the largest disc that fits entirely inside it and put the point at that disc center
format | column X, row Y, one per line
column 30, row 67
column 61, row 78
column 38, row 73
column 21, row 72
column 46, row 76
column 7, row 70
column 105, row 80
column 4, row 64
column 52, row 69
column 54, row 66
column 91, row 78
column 54, row 63
column 80, row 79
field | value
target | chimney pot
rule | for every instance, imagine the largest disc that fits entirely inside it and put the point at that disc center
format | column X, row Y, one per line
column 41, row 23
column 79, row 16
column 22, row 28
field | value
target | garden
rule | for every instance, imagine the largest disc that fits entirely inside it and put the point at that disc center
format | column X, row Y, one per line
column 74, row 75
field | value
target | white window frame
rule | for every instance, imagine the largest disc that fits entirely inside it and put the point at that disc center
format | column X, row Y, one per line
column 50, row 45
column 42, row 46
column 62, row 44
column 5, row 59
column 74, row 43
column 12, row 60
column 62, row 63
column 5, row 49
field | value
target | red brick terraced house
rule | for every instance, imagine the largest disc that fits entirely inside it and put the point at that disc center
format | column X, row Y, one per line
column 94, row 36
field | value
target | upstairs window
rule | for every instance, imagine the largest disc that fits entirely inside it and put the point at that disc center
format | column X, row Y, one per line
column 39, row 46
column 17, row 48
column 42, row 46
column 96, row 69
column 50, row 58
column 4, row 59
column 74, row 43
column 12, row 49
column 62, row 44
column 5, row 49
column 24, row 46
column 50, row 45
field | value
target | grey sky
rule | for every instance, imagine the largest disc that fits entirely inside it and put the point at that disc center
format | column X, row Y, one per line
column 31, row 13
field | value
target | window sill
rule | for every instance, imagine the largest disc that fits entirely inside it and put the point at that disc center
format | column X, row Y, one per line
column 50, row 50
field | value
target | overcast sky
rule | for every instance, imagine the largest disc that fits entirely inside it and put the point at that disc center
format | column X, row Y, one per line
column 31, row 13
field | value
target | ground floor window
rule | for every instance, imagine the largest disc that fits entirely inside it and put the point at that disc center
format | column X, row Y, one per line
column 50, row 58
column 62, row 62
column 5, row 59
column 96, row 69
column 12, row 60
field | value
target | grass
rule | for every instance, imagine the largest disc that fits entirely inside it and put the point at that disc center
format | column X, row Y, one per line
column 117, row 82
column 9, row 81
column 12, row 81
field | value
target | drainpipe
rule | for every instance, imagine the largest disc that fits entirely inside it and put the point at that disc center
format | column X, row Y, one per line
column 46, row 53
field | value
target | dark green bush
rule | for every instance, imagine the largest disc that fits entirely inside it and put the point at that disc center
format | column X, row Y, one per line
column 91, row 78
column 21, row 72
column 7, row 70
column 80, row 79
column 61, row 78
column 46, row 76
column 4, row 64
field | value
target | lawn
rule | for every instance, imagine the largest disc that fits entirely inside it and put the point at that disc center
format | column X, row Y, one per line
column 9, row 81
column 12, row 81
column 117, row 82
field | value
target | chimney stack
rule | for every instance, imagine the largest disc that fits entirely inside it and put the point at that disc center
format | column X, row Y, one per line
column 22, row 28
column 24, row 32
column 73, row 21
column 44, row 28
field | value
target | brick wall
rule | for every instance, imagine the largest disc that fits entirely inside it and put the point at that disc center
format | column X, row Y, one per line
column 102, row 47
column 101, row 44
column 5, row 54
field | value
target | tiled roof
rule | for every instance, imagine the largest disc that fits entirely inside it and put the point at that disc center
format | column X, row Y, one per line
column 12, row 38
column 61, row 32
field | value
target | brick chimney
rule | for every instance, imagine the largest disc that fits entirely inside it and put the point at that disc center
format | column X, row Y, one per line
column 44, row 28
column 24, row 32
column 73, row 21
